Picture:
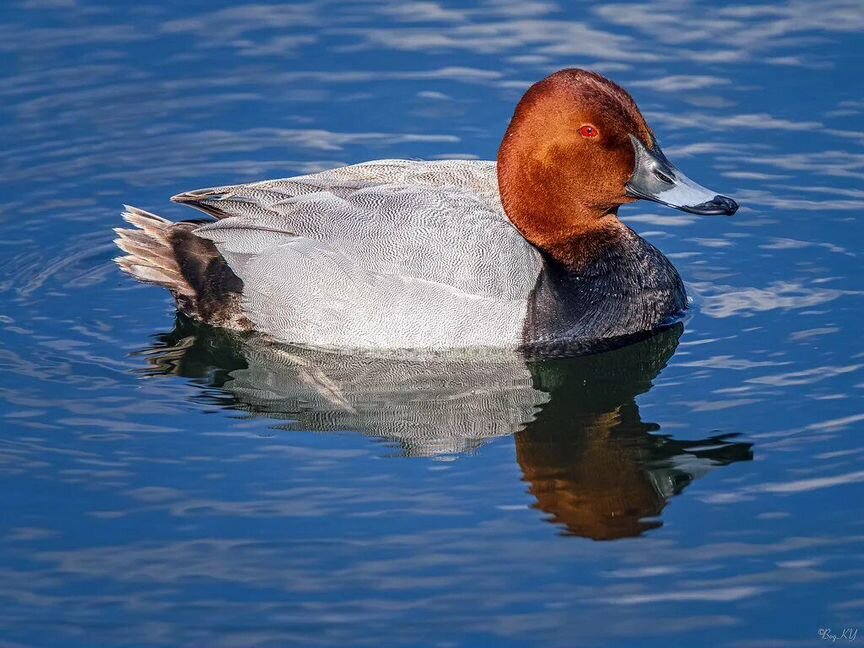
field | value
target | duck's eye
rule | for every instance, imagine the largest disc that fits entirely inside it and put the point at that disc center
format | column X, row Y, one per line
column 588, row 131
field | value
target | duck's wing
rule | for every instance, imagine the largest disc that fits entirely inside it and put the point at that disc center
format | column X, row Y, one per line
column 392, row 253
column 432, row 221
column 477, row 177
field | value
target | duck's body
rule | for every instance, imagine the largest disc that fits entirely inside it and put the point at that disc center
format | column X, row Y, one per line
column 406, row 254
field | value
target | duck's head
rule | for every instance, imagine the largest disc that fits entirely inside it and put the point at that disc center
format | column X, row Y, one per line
column 578, row 148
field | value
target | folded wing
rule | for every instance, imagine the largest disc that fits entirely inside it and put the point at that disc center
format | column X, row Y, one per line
column 393, row 253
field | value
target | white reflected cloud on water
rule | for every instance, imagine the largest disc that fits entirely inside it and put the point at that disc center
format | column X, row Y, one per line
column 746, row 30
column 728, row 301
column 544, row 37
column 831, row 162
column 227, row 24
column 784, row 201
column 681, row 82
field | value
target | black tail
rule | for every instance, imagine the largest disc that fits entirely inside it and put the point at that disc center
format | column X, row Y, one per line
column 169, row 254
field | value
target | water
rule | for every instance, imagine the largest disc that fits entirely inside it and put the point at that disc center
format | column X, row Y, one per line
column 169, row 486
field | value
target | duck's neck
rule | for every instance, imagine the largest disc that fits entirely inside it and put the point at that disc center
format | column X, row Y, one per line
column 608, row 284
column 574, row 241
column 577, row 250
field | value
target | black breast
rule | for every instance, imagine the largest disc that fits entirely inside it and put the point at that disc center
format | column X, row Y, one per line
column 627, row 290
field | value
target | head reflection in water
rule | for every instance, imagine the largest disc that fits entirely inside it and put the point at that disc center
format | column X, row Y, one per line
column 591, row 462
column 593, row 466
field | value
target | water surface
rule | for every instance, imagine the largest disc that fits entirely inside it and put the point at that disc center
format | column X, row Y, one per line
column 164, row 484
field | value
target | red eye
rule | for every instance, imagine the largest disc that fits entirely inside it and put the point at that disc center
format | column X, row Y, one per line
column 588, row 131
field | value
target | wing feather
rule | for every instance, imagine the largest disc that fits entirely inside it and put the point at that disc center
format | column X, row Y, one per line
column 446, row 225
column 391, row 253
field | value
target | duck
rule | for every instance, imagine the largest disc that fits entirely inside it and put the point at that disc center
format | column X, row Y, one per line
column 524, row 252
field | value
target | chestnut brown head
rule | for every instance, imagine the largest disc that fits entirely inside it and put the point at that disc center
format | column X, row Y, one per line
column 578, row 148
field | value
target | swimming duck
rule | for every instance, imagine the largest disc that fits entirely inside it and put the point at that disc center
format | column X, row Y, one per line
column 527, row 252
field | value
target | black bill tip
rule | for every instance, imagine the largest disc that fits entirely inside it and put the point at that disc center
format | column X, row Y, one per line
column 717, row 206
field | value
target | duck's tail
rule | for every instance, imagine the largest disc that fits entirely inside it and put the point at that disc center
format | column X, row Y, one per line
column 168, row 254
column 149, row 253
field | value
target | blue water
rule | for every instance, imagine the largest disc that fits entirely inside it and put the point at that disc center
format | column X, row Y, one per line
column 165, row 486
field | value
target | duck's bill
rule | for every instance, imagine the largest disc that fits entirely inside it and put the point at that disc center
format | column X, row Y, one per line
column 656, row 178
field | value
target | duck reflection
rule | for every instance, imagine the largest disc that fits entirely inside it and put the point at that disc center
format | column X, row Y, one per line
column 589, row 460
